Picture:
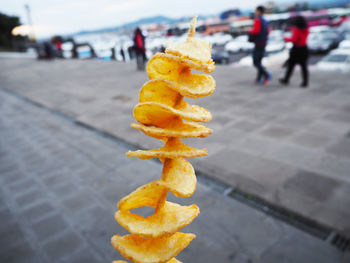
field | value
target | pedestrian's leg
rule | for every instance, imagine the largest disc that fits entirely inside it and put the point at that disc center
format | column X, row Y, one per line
column 304, row 69
column 267, row 76
column 289, row 71
column 256, row 64
column 305, row 74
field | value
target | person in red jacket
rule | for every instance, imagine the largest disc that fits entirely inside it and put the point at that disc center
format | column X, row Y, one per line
column 259, row 35
column 299, row 52
column 140, row 49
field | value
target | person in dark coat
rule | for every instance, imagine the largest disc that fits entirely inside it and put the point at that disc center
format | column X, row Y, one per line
column 299, row 52
column 259, row 35
column 140, row 49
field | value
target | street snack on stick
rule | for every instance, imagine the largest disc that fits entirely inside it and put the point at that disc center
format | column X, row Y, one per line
column 163, row 113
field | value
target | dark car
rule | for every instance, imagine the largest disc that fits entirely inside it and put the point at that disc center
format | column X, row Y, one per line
column 220, row 57
column 323, row 42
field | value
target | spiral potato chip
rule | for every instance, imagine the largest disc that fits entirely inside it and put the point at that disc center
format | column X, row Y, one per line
column 141, row 250
column 176, row 128
column 160, row 113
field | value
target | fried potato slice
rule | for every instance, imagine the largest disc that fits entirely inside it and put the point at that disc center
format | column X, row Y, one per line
column 159, row 91
column 167, row 220
column 146, row 195
column 196, row 50
column 173, row 260
column 193, row 49
column 186, row 83
column 164, row 66
column 157, row 250
column 168, row 66
column 162, row 94
column 174, row 148
column 175, row 129
column 179, row 176
column 161, row 115
column 195, row 85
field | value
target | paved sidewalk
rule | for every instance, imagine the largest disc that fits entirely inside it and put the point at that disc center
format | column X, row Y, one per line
column 60, row 182
column 289, row 146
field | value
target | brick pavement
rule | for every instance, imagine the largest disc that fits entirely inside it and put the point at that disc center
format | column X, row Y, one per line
column 288, row 146
column 60, row 182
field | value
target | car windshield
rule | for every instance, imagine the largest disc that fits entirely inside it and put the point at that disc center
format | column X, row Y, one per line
column 315, row 37
column 321, row 37
column 336, row 58
column 275, row 39
column 329, row 36
column 241, row 39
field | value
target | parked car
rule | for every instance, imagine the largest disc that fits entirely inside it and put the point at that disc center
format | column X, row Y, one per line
column 345, row 44
column 337, row 60
column 67, row 49
column 220, row 57
column 218, row 39
column 275, row 42
column 322, row 42
column 239, row 44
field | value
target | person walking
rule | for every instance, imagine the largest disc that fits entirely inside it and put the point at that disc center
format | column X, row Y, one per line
column 299, row 52
column 259, row 35
column 140, row 49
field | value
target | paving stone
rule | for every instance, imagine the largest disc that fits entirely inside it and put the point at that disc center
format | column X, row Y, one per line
column 64, row 190
column 49, row 227
column 277, row 131
column 313, row 185
column 338, row 116
column 6, row 219
column 22, row 186
column 38, row 211
column 291, row 154
column 98, row 226
column 29, row 198
column 55, row 179
column 347, row 135
column 80, row 201
column 247, row 126
column 11, row 236
column 85, row 255
column 10, row 177
column 301, row 253
column 312, row 140
column 257, row 145
column 20, row 253
column 332, row 166
column 63, row 246
column 341, row 148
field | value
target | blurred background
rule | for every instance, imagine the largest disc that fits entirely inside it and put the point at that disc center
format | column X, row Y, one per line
column 275, row 186
column 73, row 30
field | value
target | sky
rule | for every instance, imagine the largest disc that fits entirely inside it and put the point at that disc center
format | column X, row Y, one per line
column 70, row 16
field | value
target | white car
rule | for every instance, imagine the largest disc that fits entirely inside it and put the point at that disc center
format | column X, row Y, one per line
column 275, row 43
column 219, row 39
column 345, row 44
column 240, row 43
column 337, row 60
column 67, row 49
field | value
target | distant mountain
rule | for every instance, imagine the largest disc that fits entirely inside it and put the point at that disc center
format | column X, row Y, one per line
column 316, row 3
column 154, row 19
column 327, row 3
